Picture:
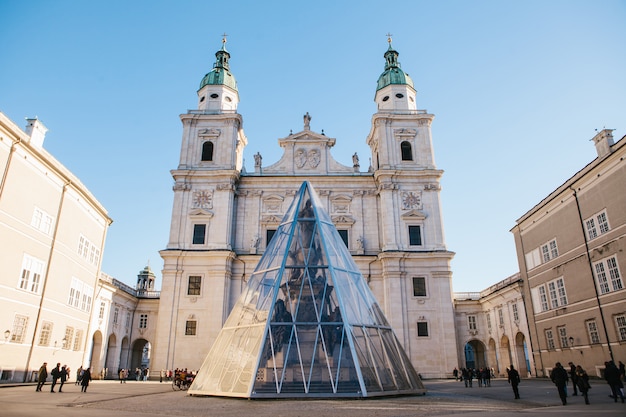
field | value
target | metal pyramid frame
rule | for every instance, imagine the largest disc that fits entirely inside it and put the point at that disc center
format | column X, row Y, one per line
column 307, row 324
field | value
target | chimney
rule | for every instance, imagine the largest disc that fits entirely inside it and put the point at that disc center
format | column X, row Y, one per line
column 603, row 141
column 37, row 132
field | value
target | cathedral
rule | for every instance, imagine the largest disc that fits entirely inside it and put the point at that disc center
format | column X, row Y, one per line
column 388, row 217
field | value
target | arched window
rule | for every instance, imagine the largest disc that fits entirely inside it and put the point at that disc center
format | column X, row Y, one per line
column 407, row 154
column 207, row 151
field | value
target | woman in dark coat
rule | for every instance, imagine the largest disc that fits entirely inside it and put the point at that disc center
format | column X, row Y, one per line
column 582, row 380
column 84, row 382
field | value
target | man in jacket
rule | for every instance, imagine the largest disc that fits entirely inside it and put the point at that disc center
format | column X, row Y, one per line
column 573, row 377
column 559, row 377
column 56, row 374
column 42, row 375
column 514, row 380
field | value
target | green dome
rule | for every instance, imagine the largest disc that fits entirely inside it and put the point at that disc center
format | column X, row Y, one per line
column 393, row 74
column 220, row 74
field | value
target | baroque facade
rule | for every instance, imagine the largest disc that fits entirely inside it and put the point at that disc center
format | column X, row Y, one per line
column 571, row 250
column 52, row 235
column 389, row 218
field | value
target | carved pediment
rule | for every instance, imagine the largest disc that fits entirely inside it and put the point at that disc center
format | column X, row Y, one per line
column 200, row 212
column 343, row 220
column 271, row 219
column 414, row 215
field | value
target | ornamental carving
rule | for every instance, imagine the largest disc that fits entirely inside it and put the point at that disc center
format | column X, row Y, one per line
column 404, row 133
column 300, row 158
column 226, row 187
column 181, row 186
column 203, row 199
column 314, row 158
column 411, row 200
column 211, row 133
column 432, row 187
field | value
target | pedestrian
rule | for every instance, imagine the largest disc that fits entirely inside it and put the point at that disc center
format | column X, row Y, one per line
column 56, row 374
column 41, row 376
column 63, row 377
column 122, row 375
column 582, row 379
column 572, row 375
column 161, row 375
column 514, row 380
column 559, row 377
column 456, row 374
column 611, row 374
column 79, row 372
column 85, row 379
column 622, row 371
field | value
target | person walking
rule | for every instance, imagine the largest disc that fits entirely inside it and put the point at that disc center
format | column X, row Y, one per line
column 63, row 377
column 56, row 374
column 84, row 381
column 41, row 376
column 122, row 375
column 559, row 377
column 611, row 374
column 582, row 379
column 514, row 380
column 572, row 375
column 79, row 373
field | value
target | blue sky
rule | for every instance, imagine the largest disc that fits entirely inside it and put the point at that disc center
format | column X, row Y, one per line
column 517, row 88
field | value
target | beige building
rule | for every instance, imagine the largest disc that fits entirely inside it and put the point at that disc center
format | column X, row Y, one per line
column 492, row 329
column 571, row 250
column 389, row 217
column 52, row 234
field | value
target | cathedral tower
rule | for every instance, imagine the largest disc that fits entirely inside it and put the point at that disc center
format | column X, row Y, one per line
column 199, row 252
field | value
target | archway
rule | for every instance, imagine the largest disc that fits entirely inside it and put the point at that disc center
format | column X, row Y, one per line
column 475, row 354
column 505, row 353
column 95, row 357
column 140, row 357
column 111, row 363
column 492, row 357
column 521, row 351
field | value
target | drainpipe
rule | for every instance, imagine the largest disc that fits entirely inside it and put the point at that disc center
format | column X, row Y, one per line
column 8, row 165
column 595, row 287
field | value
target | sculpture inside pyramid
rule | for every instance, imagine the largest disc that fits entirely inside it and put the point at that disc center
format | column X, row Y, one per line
column 307, row 324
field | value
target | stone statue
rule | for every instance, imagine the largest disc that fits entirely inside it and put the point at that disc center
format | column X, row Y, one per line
column 307, row 121
column 257, row 159
column 355, row 160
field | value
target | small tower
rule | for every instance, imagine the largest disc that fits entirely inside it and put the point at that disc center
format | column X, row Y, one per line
column 218, row 89
column 145, row 280
column 395, row 89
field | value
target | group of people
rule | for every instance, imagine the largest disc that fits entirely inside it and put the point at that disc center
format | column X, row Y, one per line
column 580, row 380
column 467, row 375
column 61, row 374
column 614, row 375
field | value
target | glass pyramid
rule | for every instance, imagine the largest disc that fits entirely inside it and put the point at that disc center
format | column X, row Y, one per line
column 307, row 324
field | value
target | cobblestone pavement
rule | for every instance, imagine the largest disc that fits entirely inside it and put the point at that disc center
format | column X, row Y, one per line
column 444, row 398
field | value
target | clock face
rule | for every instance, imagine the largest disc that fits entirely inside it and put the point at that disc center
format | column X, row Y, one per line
column 411, row 200
column 203, row 199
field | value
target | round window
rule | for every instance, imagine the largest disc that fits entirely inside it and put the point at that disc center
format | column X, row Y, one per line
column 214, row 95
column 385, row 98
column 399, row 95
